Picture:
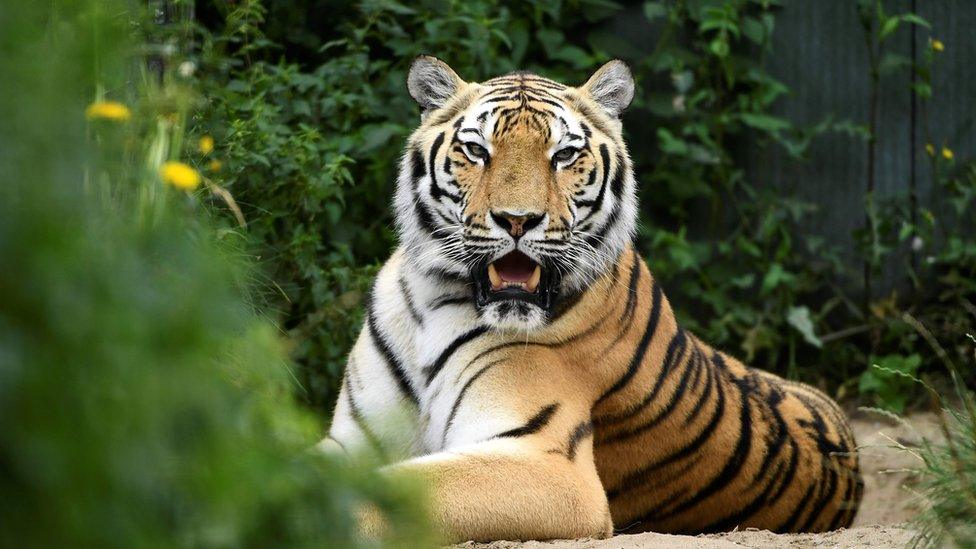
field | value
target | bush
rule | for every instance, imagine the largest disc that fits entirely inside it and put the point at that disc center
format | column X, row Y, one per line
column 948, row 473
column 310, row 115
column 143, row 402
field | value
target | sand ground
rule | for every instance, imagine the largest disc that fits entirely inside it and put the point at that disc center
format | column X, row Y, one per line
column 881, row 522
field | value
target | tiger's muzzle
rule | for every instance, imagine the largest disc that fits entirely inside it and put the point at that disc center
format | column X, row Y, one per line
column 516, row 278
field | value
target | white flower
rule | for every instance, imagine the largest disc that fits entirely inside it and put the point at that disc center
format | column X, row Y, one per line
column 187, row 68
column 917, row 244
column 678, row 103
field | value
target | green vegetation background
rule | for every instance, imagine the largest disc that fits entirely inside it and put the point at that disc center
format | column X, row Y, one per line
column 308, row 106
column 152, row 345
column 143, row 402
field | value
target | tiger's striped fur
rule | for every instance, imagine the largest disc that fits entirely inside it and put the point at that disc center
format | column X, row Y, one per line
column 536, row 422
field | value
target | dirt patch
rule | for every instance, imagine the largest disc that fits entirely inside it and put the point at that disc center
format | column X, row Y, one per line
column 888, row 496
column 888, row 501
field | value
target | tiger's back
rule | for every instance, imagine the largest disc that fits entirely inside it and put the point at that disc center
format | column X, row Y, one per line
column 698, row 442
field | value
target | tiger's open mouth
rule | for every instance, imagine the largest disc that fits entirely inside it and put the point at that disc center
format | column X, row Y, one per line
column 514, row 277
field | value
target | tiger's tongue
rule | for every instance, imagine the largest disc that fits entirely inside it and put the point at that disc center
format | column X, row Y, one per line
column 515, row 267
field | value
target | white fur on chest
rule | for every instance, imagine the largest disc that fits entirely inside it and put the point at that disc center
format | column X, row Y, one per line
column 421, row 318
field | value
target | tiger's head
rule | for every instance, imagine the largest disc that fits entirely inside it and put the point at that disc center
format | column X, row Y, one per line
column 519, row 185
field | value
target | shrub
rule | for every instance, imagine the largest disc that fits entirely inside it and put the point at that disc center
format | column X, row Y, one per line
column 949, row 471
column 310, row 114
column 142, row 401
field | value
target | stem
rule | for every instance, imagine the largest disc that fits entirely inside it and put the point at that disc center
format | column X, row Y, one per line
column 912, row 156
column 875, row 78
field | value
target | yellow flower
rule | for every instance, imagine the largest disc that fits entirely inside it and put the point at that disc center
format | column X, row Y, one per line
column 180, row 175
column 215, row 165
column 108, row 110
column 937, row 45
column 930, row 148
column 947, row 153
column 206, row 144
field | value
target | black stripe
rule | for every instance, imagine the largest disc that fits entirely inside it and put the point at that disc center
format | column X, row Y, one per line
column 448, row 300
column 735, row 462
column 790, row 471
column 635, row 272
column 758, row 502
column 829, row 464
column 565, row 303
column 605, row 156
column 824, row 495
column 357, row 416
column 789, row 525
column 590, row 179
column 638, row 358
column 417, row 170
column 581, row 431
column 393, row 364
column 779, row 428
column 435, row 368
column 534, row 425
column 460, row 397
column 436, row 191
column 695, row 380
column 842, row 506
column 446, row 276
column 638, row 477
column 414, row 314
column 706, row 393
column 673, row 356
column 692, row 363
column 424, row 217
column 617, row 185
column 596, row 239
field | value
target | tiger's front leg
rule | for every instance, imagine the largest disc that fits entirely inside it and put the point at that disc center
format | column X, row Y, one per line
column 509, row 461
column 514, row 489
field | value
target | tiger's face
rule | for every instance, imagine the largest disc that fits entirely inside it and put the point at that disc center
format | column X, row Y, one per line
column 520, row 186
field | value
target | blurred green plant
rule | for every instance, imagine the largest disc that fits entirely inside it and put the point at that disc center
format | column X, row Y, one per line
column 948, row 470
column 890, row 381
column 143, row 402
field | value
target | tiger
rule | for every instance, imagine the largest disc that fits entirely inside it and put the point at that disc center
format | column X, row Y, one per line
column 518, row 356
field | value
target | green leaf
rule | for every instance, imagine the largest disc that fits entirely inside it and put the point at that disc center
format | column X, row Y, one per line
column 799, row 318
column 719, row 47
column 915, row 20
column 888, row 27
column 754, row 30
column 775, row 277
column 653, row 10
column 764, row 122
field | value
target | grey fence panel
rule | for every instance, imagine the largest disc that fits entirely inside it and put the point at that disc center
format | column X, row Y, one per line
column 820, row 53
column 951, row 115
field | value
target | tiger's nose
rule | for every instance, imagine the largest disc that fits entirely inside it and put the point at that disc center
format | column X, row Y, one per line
column 517, row 223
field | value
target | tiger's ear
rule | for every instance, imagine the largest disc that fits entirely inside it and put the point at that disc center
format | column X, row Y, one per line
column 432, row 82
column 611, row 86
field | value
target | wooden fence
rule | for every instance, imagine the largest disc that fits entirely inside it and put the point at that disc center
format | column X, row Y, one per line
column 820, row 53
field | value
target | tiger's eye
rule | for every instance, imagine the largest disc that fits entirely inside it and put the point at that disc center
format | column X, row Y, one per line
column 477, row 150
column 565, row 155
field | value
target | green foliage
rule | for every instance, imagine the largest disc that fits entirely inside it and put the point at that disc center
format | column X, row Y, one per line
column 142, row 401
column 943, row 268
column 310, row 152
column 746, row 278
column 949, row 470
column 891, row 380
column 310, row 115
